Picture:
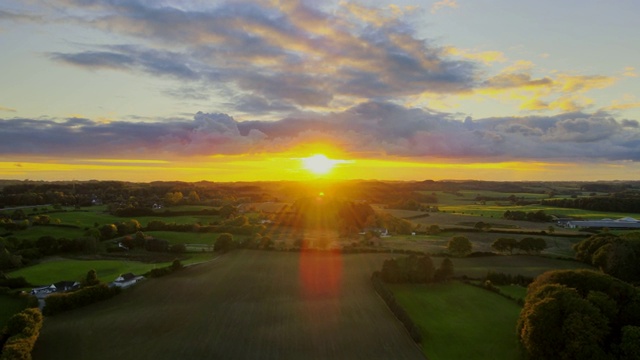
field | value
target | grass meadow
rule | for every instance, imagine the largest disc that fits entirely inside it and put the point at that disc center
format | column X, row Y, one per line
column 460, row 321
column 76, row 270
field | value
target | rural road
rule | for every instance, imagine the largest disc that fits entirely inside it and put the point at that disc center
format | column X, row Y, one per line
column 245, row 305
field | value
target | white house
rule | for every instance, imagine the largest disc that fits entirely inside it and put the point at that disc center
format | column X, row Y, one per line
column 59, row 287
column 126, row 280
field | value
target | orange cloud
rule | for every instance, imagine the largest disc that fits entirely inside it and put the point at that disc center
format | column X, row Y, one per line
column 630, row 71
column 486, row 57
column 443, row 4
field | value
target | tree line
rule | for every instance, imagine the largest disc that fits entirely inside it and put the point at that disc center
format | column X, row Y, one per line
column 628, row 202
column 580, row 314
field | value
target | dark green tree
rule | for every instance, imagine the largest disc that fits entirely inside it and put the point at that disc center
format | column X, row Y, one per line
column 91, row 278
column 532, row 245
column 577, row 314
column 504, row 245
column 630, row 345
column 223, row 243
column 459, row 246
column 445, row 271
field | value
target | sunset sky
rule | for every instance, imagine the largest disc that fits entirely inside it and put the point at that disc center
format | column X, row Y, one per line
column 145, row 90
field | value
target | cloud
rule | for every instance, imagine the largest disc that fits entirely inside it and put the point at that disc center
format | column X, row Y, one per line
column 486, row 57
column 287, row 52
column 630, row 71
column 19, row 17
column 381, row 128
column 7, row 109
column 442, row 4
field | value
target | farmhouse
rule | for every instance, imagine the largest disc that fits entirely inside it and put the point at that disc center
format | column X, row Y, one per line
column 623, row 223
column 382, row 232
column 126, row 280
column 59, row 287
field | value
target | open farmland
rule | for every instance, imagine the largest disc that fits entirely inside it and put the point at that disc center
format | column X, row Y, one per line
column 245, row 305
column 459, row 321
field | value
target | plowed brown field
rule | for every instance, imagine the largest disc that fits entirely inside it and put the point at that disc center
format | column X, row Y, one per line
column 244, row 305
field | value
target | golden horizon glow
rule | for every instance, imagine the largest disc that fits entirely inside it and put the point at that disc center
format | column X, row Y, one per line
column 318, row 164
column 286, row 166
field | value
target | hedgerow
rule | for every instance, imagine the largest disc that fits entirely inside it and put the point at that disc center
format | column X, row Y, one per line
column 22, row 331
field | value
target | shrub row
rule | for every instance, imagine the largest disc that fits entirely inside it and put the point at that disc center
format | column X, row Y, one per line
column 395, row 308
column 13, row 283
column 158, row 272
column 22, row 331
column 507, row 279
column 57, row 303
column 488, row 285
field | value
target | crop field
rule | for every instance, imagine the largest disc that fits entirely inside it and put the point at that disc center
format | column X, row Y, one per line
column 245, row 305
column 459, row 321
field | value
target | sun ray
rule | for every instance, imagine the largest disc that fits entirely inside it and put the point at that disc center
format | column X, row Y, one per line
column 319, row 164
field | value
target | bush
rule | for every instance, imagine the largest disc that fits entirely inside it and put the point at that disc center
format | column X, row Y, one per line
column 57, row 303
column 395, row 308
column 14, row 283
column 23, row 330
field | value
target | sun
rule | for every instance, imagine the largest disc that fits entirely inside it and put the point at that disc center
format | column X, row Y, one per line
column 318, row 164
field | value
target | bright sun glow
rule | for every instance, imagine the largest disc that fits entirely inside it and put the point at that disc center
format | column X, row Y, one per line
column 318, row 164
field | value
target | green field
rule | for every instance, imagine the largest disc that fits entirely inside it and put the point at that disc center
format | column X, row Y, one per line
column 245, row 305
column 462, row 322
column 188, row 238
column 75, row 270
column 515, row 291
column 9, row 306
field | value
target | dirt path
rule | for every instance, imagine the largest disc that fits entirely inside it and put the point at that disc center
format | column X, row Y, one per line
column 245, row 305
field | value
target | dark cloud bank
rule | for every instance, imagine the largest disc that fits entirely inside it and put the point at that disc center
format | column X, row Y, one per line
column 382, row 128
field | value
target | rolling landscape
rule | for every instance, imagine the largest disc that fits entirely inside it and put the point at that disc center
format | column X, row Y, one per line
column 295, row 279
column 339, row 179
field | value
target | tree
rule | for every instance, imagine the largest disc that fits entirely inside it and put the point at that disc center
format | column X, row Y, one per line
column 265, row 242
column 557, row 323
column 173, row 198
column 227, row 211
column 630, row 345
column 578, row 314
column 532, row 245
column 176, row 265
column 504, row 245
column 91, row 278
column 433, row 230
column 445, row 271
column 224, row 243
column 391, row 271
column 178, row 248
column 459, row 246
column 615, row 255
column 108, row 231
column 419, row 269
column 194, row 197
